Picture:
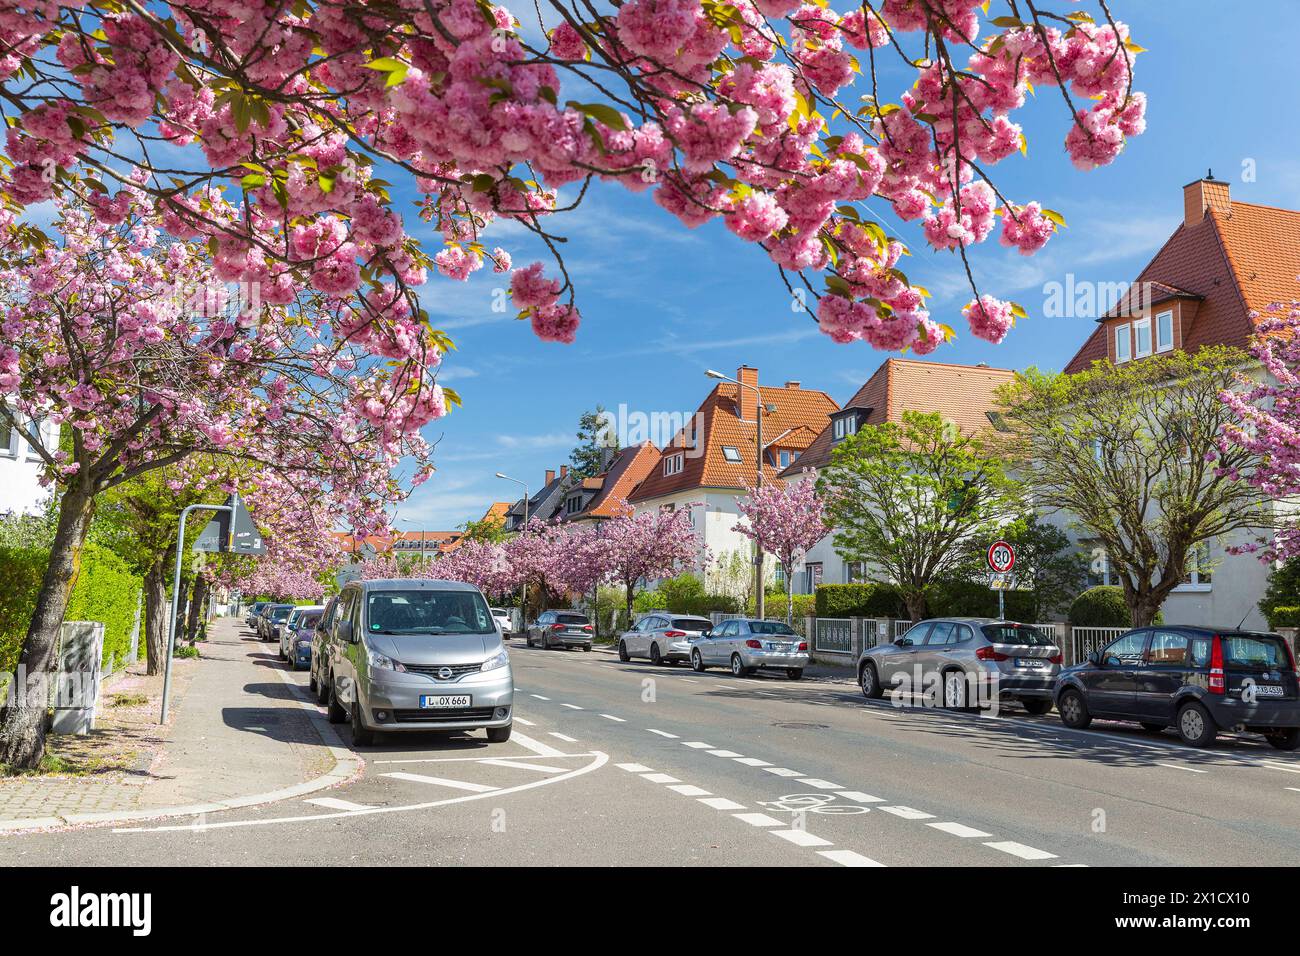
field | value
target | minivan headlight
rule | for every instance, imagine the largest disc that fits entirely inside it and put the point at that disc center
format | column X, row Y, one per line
column 375, row 659
column 500, row 660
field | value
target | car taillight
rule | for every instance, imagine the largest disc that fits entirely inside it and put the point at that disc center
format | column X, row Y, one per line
column 754, row 644
column 674, row 633
column 557, row 627
column 989, row 654
column 1054, row 659
column 1218, row 684
column 803, row 645
column 586, row 627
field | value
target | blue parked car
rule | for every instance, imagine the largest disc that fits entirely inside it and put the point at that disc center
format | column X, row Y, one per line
column 295, row 635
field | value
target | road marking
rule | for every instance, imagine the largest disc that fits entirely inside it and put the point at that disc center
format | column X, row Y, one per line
column 1278, row 766
column 440, row 781
column 859, row 796
column 565, row 737
column 571, row 706
column 526, row 723
column 908, row 813
column 758, row 819
column 331, row 803
column 689, row 790
column 848, row 858
column 539, row 696
column 959, row 829
column 613, row 718
column 1022, row 851
column 820, row 784
column 634, row 767
column 1174, row 766
column 783, row 771
column 721, row 803
column 696, row 744
column 800, row 837
column 752, row 762
column 523, row 765
column 536, row 746
column 659, row 778
column 724, row 753
column 662, row 733
column 689, row 680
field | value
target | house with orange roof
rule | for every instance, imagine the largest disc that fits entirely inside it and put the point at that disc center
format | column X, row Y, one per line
column 715, row 456
column 605, row 495
column 962, row 394
column 1226, row 262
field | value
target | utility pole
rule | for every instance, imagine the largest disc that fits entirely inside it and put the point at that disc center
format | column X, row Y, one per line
column 523, row 587
column 759, row 597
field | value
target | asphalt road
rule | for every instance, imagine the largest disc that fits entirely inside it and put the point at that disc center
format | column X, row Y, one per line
column 628, row 764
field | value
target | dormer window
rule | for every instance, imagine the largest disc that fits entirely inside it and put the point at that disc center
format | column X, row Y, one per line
column 1141, row 338
column 1165, row 332
column 845, row 425
column 574, row 504
column 1123, row 343
column 673, row 464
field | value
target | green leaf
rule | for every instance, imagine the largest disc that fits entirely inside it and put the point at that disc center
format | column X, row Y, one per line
column 1055, row 217
column 601, row 113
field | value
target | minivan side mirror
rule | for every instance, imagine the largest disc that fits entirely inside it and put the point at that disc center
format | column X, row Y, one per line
column 1094, row 658
column 344, row 631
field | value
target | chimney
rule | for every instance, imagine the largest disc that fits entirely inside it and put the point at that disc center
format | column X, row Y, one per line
column 550, row 476
column 793, row 383
column 747, row 375
column 564, row 470
column 1202, row 195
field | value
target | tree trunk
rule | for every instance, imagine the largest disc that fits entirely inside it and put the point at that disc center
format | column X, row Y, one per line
column 629, row 588
column 915, row 602
column 155, row 615
column 22, row 738
column 196, row 606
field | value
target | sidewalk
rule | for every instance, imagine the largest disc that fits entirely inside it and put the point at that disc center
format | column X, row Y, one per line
column 238, row 734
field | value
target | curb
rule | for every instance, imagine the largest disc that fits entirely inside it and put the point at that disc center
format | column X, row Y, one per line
column 347, row 765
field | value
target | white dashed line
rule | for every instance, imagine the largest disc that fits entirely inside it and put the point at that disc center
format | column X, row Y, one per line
column 567, row 739
column 820, row 784
column 800, row 837
column 441, row 782
column 783, row 771
column 613, row 718
column 907, row 813
column 526, row 723
column 859, row 796
column 696, row 744
column 523, row 765
column 752, row 762
column 959, row 829
column 332, row 803
column 634, row 767
column 659, row 778
column 848, row 858
column 571, row 706
column 1174, row 766
column 1022, row 851
column 1278, row 766
column 539, row 696
column 721, row 803
column 724, row 753
column 690, row 790
column 757, row 819
column 662, row 733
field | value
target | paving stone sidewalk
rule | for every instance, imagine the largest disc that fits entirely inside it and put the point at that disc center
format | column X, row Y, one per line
column 235, row 729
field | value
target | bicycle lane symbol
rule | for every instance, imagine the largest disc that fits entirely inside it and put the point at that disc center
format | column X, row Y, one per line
column 799, row 805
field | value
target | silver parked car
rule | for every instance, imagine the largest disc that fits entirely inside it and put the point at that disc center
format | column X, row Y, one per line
column 746, row 645
column 962, row 656
column 415, row 654
column 559, row 629
column 662, row 637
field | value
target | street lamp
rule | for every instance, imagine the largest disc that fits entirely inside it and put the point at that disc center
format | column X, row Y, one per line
column 759, row 602
column 523, row 587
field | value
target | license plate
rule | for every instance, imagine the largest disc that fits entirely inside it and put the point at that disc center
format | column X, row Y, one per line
column 445, row 701
column 1268, row 690
column 1030, row 662
column 778, row 647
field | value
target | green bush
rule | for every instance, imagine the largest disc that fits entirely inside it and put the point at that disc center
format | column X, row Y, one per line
column 1103, row 606
column 976, row 599
column 1283, row 589
column 105, row 590
column 859, row 600
column 1283, row 616
column 683, row 594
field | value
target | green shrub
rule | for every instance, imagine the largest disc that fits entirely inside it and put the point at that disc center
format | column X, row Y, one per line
column 105, row 590
column 1103, row 606
column 1284, row 616
column 1283, row 589
column 976, row 599
column 683, row 594
column 186, row 650
column 859, row 600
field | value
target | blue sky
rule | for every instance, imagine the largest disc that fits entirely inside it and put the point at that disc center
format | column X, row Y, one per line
column 661, row 303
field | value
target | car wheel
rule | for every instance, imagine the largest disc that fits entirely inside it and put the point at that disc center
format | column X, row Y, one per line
column 1036, row 706
column 311, row 682
column 655, row 657
column 1196, row 726
column 499, row 735
column 954, row 690
column 1153, row 728
column 794, row 673
column 586, row 648
column 361, row 737
column 528, row 639
column 322, row 692
column 869, row 681
column 697, row 662
column 622, row 652
column 1073, row 710
column 336, row 713
column 738, row 668
column 1288, row 739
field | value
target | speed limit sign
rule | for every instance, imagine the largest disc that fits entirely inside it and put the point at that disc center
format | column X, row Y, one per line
column 1002, row 557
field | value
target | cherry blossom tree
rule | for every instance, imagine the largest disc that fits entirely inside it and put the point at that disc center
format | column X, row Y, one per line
column 652, row 544
column 785, row 521
column 128, row 340
column 279, row 120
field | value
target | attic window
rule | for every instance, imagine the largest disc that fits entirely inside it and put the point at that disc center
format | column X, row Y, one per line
column 1123, row 343
column 1141, row 338
column 845, row 425
column 1164, row 332
column 574, row 504
column 673, row 464
column 730, row 453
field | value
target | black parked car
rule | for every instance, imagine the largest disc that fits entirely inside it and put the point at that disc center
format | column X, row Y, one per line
column 1198, row 680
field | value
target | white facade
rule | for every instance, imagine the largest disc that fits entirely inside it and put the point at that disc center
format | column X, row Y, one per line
column 20, row 471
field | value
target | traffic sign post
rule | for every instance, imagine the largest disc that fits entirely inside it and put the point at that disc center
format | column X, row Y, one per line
column 1002, row 559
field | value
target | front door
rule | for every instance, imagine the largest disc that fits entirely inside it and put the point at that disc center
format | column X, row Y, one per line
column 1168, row 666
column 1112, row 687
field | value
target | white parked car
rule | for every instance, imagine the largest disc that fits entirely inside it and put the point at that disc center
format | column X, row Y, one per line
column 662, row 637
column 502, row 617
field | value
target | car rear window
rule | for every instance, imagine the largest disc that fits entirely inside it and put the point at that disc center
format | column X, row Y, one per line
column 770, row 627
column 1255, row 652
column 572, row 619
column 308, row 620
column 692, row 624
column 1025, row 634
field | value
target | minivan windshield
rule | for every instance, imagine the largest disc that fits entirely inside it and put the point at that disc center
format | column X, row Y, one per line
column 420, row 611
column 1015, row 634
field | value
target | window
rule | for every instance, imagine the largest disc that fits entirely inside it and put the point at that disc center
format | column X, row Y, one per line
column 941, row 633
column 1141, row 338
column 1127, row 650
column 778, row 573
column 1164, row 331
column 8, row 439
column 1167, row 648
column 787, row 458
column 1123, row 343
column 574, row 504
column 673, row 464
column 813, row 572
column 855, row 572
column 1198, row 574
column 845, row 425
column 730, row 453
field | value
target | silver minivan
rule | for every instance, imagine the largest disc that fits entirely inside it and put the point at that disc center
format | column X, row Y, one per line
column 417, row 655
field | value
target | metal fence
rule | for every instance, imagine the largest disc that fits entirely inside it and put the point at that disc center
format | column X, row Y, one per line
column 834, row 635
column 1085, row 640
column 901, row 628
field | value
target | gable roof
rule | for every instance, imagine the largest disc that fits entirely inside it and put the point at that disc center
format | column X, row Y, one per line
column 1237, row 259
column 960, row 393
column 615, row 485
column 801, row 411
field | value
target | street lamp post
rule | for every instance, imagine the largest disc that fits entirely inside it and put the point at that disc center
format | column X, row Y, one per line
column 759, row 601
column 523, row 587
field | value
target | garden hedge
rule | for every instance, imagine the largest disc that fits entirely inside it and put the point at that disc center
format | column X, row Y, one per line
column 859, row 600
column 1103, row 606
column 1284, row 616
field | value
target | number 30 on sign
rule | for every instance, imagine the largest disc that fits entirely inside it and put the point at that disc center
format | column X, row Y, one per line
column 1002, row 557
